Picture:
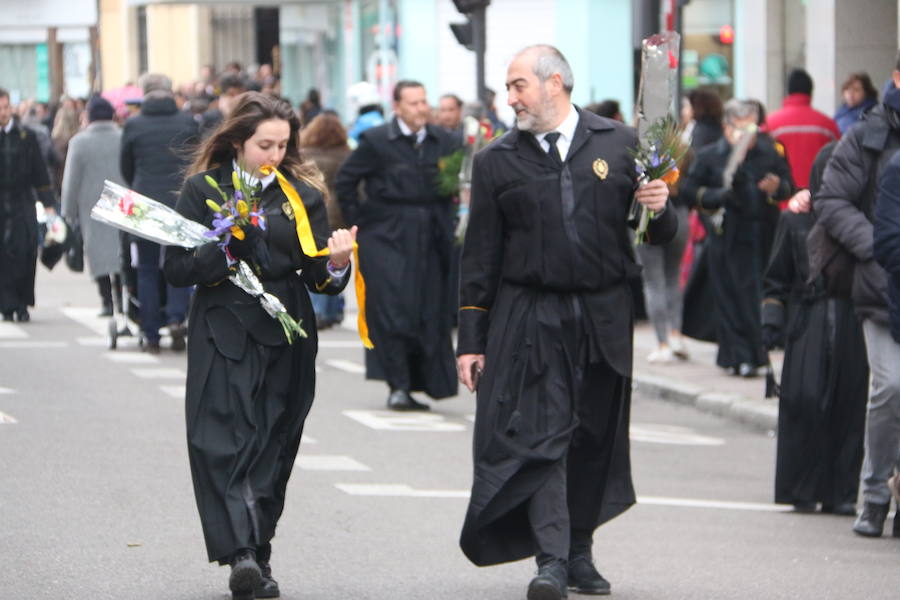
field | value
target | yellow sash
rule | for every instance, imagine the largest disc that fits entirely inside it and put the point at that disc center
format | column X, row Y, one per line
column 308, row 245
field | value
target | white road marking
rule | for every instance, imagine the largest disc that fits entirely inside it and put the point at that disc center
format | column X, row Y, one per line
column 9, row 331
column 4, row 390
column 394, row 490
column 161, row 373
column 175, row 391
column 25, row 345
column 131, row 357
column 397, row 491
column 307, row 440
column 87, row 317
column 398, row 421
column 96, row 342
column 670, row 434
column 5, row 419
column 340, row 343
column 346, row 365
column 699, row 503
column 323, row 462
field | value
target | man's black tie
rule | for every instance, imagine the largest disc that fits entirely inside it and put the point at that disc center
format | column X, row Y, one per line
column 554, row 151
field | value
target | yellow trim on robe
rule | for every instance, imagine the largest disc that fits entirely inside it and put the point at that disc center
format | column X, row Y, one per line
column 308, row 246
column 473, row 308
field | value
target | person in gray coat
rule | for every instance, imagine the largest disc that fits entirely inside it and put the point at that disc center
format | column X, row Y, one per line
column 93, row 157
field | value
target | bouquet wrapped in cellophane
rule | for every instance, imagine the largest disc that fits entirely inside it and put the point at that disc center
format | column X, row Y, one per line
column 138, row 215
column 659, row 138
column 455, row 170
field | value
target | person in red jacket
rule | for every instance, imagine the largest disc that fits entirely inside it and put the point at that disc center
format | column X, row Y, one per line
column 800, row 128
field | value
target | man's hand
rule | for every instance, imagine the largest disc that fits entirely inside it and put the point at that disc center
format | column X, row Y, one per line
column 800, row 202
column 769, row 184
column 653, row 195
column 464, row 365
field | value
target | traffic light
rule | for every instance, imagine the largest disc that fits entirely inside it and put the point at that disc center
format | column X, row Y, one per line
column 463, row 33
column 469, row 6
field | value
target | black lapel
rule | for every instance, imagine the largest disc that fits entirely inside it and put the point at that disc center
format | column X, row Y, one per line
column 588, row 122
column 527, row 148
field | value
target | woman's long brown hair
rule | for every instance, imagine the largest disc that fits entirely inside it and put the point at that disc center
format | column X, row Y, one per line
column 253, row 108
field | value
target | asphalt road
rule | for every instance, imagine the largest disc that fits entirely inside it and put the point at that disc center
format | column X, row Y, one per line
column 96, row 498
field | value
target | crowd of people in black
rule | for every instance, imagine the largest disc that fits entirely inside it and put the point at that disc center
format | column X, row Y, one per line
column 783, row 231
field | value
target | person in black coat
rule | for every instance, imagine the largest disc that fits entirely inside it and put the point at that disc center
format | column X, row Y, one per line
column 824, row 381
column 248, row 389
column 22, row 170
column 406, row 237
column 153, row 159
column 738, row 222
column 545, row 328
column 845, row 206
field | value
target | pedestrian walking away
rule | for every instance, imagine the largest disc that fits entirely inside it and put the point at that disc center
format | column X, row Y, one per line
column 545, row 329
column 248, row 389
column 92, row 158
column 153, row 159
column 406, row 237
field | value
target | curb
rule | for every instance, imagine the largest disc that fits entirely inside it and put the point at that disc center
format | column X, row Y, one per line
column 734, row 407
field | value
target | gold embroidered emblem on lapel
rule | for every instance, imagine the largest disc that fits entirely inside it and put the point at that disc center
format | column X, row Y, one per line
column 288, row 210
column 601, row 169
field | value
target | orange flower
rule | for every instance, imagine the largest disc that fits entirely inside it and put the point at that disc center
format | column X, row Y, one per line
column 237, row 232
column 671, row 177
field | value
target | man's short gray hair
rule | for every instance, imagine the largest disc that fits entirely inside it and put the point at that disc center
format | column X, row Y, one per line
column 740, row 109
column 152, row 82
column 549, row 60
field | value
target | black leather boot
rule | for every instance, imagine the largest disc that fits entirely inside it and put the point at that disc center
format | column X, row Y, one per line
column 550, row 582
column 870, row 523
column 268, row 587
column 245, row 575
column 584, row 578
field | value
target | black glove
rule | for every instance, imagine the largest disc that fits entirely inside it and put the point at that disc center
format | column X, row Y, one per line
column 771, row 337
column 242, row 249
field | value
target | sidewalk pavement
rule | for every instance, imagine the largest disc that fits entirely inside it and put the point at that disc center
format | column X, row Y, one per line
column 700, row 383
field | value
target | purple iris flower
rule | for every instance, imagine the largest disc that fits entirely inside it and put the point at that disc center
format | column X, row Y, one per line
column 238, row 195
column 654, row 159
column 220, row 225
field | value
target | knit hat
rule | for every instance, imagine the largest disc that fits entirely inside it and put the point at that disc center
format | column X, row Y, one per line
column 799, row 82
column 99, row 109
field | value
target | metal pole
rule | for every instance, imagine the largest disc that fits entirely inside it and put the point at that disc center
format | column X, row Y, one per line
column 479, row 42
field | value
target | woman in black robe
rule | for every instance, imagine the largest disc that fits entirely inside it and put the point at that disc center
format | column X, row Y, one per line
column 248, row 389
column 824, row 384
column 736, row 249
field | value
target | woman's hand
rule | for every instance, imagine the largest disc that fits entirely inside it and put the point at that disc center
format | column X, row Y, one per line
column 340, row 246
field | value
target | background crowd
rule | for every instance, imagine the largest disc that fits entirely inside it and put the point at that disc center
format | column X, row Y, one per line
column 770, row 205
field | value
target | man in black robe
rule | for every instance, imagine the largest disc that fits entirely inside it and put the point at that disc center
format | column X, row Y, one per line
column 405, row 240
column 546, row 312
column 824, row 381
column 22, row 170
column 740, row 222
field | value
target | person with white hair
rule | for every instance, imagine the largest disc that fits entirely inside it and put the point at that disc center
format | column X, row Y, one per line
column 740, row 218
column 152, row 161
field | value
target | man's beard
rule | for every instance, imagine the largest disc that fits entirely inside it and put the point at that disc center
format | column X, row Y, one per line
column 539, row 121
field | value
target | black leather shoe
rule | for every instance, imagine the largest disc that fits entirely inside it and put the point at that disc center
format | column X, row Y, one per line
column 842, row 509
column 245, row 575
column 585, row 579
column 805, row 507
column 177, row 332
column 106, row 311
column 401, row 400
column 8, row 316
column 870, row 522
column 746, row 370
column 268, row 587
column 22, row 315
column 550, row 582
